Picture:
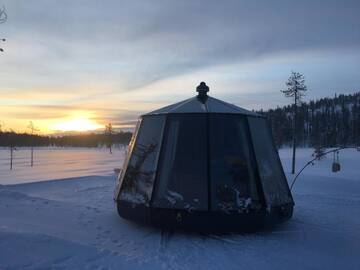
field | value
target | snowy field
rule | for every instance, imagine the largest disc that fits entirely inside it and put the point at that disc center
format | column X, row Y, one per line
column 72, row 223
column 57, row 163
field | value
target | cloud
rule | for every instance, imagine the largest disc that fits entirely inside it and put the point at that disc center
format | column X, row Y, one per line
column 28, row 112
column 144, row 42
column 100, row 54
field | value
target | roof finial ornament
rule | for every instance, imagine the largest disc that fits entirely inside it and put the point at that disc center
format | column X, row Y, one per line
column 202, row 89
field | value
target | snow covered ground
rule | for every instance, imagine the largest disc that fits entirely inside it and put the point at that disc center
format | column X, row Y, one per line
column 57, row 163
column 72, row 223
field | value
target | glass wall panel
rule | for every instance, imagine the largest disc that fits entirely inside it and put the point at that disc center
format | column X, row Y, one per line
column 141, row 170
column 127, row 158
column 275, row 186
column 232, row 165
column 182, row 178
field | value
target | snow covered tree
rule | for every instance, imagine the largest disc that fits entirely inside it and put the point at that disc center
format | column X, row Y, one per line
column 296, row 89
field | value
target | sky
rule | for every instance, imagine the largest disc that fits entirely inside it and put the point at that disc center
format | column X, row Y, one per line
column 81, row 64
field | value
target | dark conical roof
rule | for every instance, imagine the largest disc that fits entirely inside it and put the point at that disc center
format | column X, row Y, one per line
column 202, row 104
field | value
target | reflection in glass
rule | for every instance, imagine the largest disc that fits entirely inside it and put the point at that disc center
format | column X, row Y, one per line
column 140, row 173
column 273, row 180
column 232, row 165
column 127, row 159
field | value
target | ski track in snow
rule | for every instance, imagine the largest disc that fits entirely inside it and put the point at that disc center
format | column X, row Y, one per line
column 73, row 224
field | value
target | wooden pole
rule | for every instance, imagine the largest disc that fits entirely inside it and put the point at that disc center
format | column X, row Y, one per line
column 294, row 135
column 11, row 157
column 32, row 155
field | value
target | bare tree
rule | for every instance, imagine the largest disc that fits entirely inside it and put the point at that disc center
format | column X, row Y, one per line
column 3, row 15
column 3, row 18
column 12, row 149
column 32, row 129
column 108, row 133
column 296, row 89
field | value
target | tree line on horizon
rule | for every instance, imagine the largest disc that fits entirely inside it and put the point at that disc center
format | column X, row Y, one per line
column 327, row 122
column 13, row 139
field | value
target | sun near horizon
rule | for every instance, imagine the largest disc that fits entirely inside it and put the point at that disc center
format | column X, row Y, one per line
column 76, row 124
column 72, row 122
column 78, row 121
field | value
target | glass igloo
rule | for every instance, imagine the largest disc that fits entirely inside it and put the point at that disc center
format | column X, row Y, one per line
column 206, row 165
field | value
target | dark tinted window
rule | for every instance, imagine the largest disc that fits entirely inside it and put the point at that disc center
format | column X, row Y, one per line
column 182, row 178
column 140, row 173
column 232, row 164
column 275, row 186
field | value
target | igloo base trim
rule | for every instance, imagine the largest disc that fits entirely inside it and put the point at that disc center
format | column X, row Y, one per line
column 204, row 221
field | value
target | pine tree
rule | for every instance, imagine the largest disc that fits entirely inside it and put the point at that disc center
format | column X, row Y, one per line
column 296, row 89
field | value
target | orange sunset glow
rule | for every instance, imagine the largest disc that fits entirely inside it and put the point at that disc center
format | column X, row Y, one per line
column 80, row 124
